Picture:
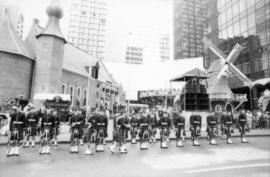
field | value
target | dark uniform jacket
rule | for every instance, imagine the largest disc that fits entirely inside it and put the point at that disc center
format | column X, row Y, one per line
column 178, row 120
column 48, row 122
column 211, row 120
column 227, row 119
column 122, row 122
column 195, row 120
column 164, row 122
column 17, row 121
column 143, row 122
column 32, row 119
column 101, row 121
column 242, row 120
column 153, row 120
column 134, row 121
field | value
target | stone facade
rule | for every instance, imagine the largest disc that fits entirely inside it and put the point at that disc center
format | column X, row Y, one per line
column 73, row 82
column 15, row 76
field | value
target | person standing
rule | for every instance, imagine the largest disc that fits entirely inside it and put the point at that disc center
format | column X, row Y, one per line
column 47, row 126
column 32, row 120
column 16, row 127
column 243, row 126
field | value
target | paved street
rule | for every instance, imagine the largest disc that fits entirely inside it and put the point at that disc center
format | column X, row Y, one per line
column 239, row 160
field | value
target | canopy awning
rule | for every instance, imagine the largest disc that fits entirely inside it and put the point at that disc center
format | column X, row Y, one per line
column 263, row 81
column 51, row 96
column 194, row 73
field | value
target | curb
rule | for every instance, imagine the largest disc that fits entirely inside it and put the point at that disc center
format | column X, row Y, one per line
column 158, row 139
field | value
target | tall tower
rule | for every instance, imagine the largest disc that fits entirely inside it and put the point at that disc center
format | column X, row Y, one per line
column 49, row 61
column 190, row 25
column 87, row 26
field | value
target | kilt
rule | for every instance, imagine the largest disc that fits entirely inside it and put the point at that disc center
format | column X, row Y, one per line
column 119, row 134
column 89, row 135
column 31, row 130
column 50, row 133
column 56, row 131
column 16, row 134
column 80, row 132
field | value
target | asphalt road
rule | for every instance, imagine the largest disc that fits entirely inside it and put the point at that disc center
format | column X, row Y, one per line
column 236, row 160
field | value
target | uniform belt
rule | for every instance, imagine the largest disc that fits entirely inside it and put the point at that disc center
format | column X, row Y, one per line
column 47, row 123
column 31, row 120
column 144, row 125
column 243, row 120
column 196, row 122
column 100, row 124
column 213, row 122
column 228, row 122
column 17, row 122
column 164, row 123
column 180, row 124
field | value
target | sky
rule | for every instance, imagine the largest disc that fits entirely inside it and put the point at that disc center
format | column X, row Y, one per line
column 130, row 22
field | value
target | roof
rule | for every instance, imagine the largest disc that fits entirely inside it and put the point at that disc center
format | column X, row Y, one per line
column 196, row 72
column 75, row 59
column 151, row 76
column 263, row 81
column 11, row 42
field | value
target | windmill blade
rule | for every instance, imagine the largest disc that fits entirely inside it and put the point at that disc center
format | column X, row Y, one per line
column 220, row 74
column 214, row 48
column 234, row 53
column 240, row 75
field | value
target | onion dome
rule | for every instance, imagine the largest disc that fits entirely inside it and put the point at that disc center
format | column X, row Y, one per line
column 55, row 13
column 54, row 9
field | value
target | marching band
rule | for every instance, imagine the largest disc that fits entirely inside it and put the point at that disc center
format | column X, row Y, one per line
column 92, row 129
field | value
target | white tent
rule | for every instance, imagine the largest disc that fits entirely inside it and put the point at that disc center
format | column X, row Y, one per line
column 151, row 76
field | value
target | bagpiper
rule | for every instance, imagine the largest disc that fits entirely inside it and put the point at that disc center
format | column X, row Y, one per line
column 90, row 131
column 179, row 125
column 227, row 123
column 32, row 120
column 164, row 126
column 243, row 126
column 47, row 126
column 144, row 130
column 152, row 126
column 76, row 125
column 195, row 122
column 212, row 129
column 121, row 127
column 134, row 121
column 102, row 126
column 16, row 127
column 56, row 129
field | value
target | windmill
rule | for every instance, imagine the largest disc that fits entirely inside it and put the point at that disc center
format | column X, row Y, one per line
column 219, row 86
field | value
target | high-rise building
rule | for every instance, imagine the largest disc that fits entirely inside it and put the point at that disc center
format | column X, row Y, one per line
column 190, row 25
column 14, row 14
column 164, row 47
column 134, row 55
column 87, row 26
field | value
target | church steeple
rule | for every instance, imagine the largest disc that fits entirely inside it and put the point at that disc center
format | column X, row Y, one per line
column 55, row 13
